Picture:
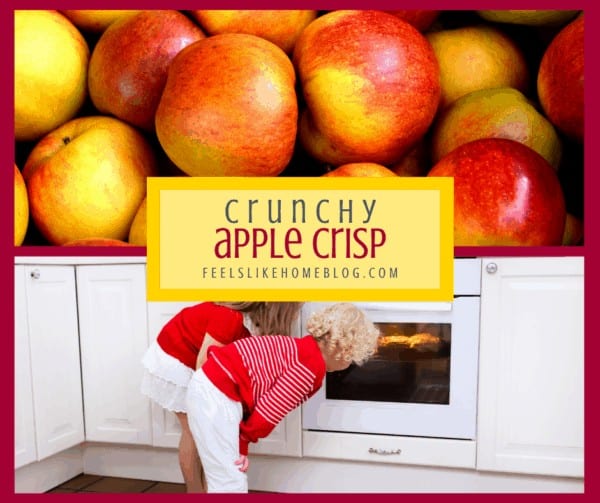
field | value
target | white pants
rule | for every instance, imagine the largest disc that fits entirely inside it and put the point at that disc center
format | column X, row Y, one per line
column 214, row 420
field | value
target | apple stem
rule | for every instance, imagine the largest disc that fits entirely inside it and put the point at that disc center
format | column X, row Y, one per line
column 66, row 140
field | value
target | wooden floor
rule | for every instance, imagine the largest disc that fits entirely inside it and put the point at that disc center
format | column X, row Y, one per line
column 97, row 484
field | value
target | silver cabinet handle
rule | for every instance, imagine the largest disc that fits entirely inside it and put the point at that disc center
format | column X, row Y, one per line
column 491, row 268
column 384, row 452
column 35, row 274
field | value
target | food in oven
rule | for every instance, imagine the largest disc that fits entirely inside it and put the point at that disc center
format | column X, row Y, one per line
column 419, row 342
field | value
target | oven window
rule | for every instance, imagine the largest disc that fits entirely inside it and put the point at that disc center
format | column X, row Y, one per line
column 412, row 365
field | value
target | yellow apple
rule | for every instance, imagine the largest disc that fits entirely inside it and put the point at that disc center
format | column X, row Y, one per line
column 51, row 58
column 282, row 27
column 96, row 21
column 573, row 234
column 477, row 57
column 501, row 112
column 87, row 178
column 137, row 232
column 529, row 17
column 21, row 208
column 361, row 169
column 229, row 108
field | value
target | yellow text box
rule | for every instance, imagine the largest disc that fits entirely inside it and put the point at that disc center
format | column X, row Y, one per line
column 300, row 239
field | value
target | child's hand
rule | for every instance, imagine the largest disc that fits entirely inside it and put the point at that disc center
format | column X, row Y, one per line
column 243, row 463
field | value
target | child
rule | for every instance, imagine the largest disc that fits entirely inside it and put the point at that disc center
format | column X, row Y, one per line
column 181, row 348
column 245, row 388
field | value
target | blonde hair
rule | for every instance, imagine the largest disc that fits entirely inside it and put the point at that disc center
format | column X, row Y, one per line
column 268, row 318
column 346, row 332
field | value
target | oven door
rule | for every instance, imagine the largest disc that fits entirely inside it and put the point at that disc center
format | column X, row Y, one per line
column 421, row 382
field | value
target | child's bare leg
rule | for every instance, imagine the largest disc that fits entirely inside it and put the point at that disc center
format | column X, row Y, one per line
column 189, row 461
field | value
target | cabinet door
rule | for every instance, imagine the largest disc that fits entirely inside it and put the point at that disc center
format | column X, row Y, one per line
column 54, row 350
column 113, row 328
column 284, row 440
column 24, row 427
column 165, row 425
column 531, row 366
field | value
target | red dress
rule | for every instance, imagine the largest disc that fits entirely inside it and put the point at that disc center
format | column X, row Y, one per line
column 183, row 335
column 170, row 361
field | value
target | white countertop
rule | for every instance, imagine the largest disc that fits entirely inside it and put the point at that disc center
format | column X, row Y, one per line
column 68, row 260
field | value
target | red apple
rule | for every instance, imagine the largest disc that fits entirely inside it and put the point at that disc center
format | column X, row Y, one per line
column 128, row 66
column 371, row 86
column 97, row 242
column 505, row 193
column 282, row 27
column 87, row 178
column 415, row 163
column 361, row 169
column 420, row 19
column 229, row 108
column 560, row 80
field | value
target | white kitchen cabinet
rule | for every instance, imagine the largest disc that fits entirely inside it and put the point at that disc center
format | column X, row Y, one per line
column 25, row 451
column 113, row 333
column 531, row 369
column 47, row 365
column 165, row 425
column 284, row 440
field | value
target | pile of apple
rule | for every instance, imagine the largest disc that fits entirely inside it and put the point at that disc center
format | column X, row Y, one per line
column 105, row 99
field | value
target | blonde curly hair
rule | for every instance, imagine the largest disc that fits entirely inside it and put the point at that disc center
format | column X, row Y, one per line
column 346, row 332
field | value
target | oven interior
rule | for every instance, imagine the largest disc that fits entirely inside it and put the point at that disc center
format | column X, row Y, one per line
column 411, row 365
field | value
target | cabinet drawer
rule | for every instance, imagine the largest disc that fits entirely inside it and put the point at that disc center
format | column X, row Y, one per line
column 389, row 449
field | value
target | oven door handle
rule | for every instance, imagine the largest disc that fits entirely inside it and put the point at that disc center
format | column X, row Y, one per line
column 385, row 452
column 406, row 306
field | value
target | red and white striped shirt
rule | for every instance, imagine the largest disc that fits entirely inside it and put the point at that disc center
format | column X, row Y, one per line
column 270, row 376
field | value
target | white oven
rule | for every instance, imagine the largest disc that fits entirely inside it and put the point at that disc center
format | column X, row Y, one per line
column 422, row 381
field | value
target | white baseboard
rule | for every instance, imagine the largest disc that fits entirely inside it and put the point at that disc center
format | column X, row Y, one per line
column 312, row 475
column 43, row 475
column 284, row 474
column 146, row 463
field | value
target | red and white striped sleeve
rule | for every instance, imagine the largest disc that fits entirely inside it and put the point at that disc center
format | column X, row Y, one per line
column 288, row 392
